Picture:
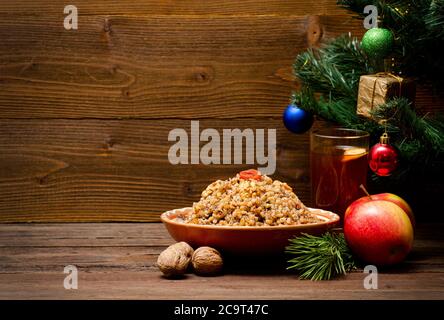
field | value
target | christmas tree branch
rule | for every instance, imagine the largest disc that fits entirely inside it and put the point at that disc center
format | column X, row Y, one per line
column 341, row 112
column 413, row 135
column 334, row 69
column 320, row 258
column 418, row 26
column 330, row 80
column 434, row 19
column 404, row 122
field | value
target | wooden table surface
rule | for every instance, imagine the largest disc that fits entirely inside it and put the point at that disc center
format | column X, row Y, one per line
column 117, row 261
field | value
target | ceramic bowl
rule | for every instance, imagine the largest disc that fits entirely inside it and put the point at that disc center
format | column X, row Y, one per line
column 242, row 240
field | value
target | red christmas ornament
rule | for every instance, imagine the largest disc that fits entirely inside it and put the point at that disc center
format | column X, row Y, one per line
column 383, row 158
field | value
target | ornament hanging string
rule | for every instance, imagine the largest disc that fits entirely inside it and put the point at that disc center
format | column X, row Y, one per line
column 385, row 137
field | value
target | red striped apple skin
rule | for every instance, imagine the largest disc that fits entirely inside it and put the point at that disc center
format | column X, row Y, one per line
column 378, row 231
column 392, row 198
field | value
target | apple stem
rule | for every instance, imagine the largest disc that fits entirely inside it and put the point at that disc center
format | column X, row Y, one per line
column 365, row 191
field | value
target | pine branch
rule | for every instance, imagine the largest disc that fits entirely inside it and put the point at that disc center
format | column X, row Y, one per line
column 434, row 19
column 345, row 52
column 320, row 258
column 334, row 69
column 354, row 5
column 420, row 141
column 418, row 26
column 405, row 123
column 330, row 79
column 341, row 112
column 323, row 75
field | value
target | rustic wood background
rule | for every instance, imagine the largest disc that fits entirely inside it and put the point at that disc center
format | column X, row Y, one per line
column 85, row 114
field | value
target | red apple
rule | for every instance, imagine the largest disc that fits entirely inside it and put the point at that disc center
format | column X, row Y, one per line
column 378, row 231
column 392, row 198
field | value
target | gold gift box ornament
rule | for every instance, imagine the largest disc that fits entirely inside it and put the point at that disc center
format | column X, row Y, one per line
column 376, row 89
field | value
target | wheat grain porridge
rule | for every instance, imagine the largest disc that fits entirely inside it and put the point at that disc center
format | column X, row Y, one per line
column 250, row 199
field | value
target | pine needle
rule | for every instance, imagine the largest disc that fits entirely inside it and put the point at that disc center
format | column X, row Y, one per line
column 320, row 257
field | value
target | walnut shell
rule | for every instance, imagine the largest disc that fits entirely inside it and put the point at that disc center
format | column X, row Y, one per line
column 175, row 259
column 207, row 261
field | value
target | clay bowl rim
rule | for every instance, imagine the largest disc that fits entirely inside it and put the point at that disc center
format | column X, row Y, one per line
column 330, row 218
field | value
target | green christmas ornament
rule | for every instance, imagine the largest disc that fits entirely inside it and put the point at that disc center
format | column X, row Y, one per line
column 377, row 42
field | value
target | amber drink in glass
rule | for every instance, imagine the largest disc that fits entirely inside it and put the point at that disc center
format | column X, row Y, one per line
column 338, row 160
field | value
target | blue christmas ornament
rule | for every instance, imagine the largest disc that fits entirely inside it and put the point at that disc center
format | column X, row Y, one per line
column 297, row 120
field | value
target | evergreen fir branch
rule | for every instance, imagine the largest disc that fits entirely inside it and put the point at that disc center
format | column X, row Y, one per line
column 419, row 167
column 323, row 75
column 404, row 122
column 356, row 6
column 330, row 79
column 335, row 68
column 434, row 19
column 420, row 141
column 345, row 52
column 320, row 258
column 340, row 111
column 413, row 135
column 418, row 27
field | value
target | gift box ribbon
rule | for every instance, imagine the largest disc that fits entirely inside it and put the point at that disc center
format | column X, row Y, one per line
column 385, row 74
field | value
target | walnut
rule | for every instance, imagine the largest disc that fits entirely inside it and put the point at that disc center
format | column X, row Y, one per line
column 175, row 259
column 207, row 261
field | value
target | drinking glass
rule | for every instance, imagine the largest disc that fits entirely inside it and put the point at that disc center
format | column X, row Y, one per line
column 338, row 161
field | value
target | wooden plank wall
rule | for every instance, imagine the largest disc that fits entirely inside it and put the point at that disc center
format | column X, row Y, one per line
column 85, row 114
